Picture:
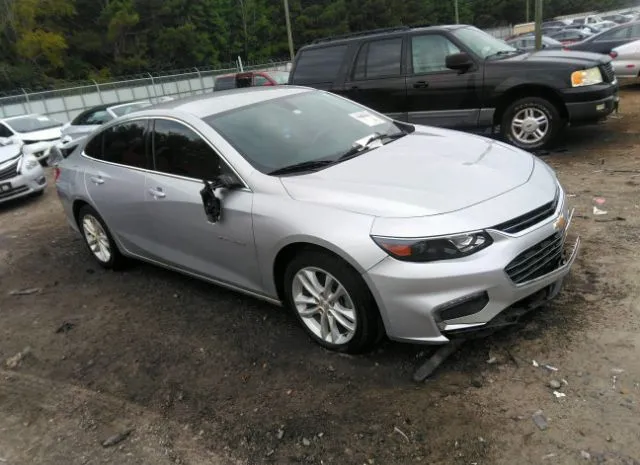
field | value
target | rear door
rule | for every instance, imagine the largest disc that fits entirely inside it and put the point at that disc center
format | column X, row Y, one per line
column 183, row 236
column 115, row 181
column 437, row 95
column 378, row 78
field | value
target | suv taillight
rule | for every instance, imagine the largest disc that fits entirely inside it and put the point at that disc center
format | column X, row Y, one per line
column 56, row 173
column 613, row 54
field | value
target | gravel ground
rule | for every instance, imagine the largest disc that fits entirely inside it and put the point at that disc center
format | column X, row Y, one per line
column 200, row 375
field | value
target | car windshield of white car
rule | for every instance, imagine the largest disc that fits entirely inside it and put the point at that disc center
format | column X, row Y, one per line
column 299, row 129
column 32, row 123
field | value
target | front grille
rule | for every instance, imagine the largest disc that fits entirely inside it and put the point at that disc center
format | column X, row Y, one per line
column 9, row 172
column 529, row 219
column 12, row 192
column 536, row 261
column 607, row 72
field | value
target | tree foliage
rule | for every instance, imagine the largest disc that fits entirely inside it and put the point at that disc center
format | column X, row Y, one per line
column 45, row 43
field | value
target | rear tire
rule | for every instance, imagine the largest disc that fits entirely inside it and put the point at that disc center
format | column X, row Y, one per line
column 98, row 239
column 531, row 123
column 332, row 302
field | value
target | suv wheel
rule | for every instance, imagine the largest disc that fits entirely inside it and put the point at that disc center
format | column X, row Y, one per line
column 98, row 239
column 531, row 123
column 332, row 302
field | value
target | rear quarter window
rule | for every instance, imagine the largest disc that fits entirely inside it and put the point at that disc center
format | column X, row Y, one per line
column 225, row 83
column 319, row 65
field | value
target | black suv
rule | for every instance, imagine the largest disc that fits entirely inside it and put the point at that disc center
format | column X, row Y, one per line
column 461, row 77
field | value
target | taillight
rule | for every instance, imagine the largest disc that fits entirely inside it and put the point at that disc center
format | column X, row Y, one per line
column 613, row 54
column 56, row 173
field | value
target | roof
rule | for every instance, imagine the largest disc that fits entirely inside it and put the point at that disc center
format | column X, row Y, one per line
column 384, row 31
column 224, row 100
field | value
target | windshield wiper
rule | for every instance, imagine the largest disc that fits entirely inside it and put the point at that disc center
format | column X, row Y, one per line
column 310, row 165
column 359, row 149
column 503, row 53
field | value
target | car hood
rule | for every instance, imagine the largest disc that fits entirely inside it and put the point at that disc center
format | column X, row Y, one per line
column 7, row 152
column 80, row 129
column 429, row 172
column 561, row 57
column 43, row 135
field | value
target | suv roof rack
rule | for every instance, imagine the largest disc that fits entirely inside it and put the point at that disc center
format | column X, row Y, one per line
column 363, row 33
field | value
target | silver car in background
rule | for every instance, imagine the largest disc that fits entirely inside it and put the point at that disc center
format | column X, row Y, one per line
column 21, row 174
column 626, row 60
column 39, row 132
column 362, row 225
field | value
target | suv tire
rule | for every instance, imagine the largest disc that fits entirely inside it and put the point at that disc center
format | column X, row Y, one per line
column 531, row 123
column 354, row 307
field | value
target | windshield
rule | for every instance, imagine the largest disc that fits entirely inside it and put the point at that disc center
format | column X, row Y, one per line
column 126, row 109
column 281, row 77
column 482, row 43
column 32, row 123
column 299, row 128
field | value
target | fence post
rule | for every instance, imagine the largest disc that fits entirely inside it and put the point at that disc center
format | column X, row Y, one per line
column 26, row 96
column 190, row 87
column 153, row 86
column 99, row 93
column 201, row 79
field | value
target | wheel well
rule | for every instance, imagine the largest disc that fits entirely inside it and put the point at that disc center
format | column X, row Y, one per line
column 287, row 254
column 77, row 205
column 529, row 91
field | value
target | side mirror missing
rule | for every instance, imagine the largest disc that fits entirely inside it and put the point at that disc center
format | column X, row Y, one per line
column 459, row 61
column 211, row 203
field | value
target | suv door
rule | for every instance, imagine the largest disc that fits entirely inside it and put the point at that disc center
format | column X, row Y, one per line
column 377, row 79
column 183, row 236
column 115, row 181
column 437, row 95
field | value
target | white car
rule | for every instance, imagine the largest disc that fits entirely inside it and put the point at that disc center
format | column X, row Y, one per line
column 39, row 132
column 626, row 60
column 20, row 172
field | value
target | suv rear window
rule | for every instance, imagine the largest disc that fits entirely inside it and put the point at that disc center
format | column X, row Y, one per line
column 318, row 65
column 225, row 83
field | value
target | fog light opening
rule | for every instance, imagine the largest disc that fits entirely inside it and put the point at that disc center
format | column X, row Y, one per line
column 464, row 306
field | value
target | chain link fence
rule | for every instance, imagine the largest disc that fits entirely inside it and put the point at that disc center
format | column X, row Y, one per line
column 66, row 103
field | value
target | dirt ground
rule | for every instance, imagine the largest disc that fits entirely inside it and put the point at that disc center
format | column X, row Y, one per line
column 202, row 375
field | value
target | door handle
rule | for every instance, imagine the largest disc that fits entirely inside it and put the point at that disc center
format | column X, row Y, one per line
column 421, row 85
column 355, row 88
column 97, row 180
column 157, row 193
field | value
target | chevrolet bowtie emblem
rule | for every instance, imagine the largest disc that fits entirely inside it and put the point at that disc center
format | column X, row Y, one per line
column 560, row 223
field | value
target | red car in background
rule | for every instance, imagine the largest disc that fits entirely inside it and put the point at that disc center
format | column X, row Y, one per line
column 251, row 79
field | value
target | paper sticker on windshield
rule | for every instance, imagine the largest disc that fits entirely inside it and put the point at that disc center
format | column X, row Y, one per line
column 367, row 118
column 44, row 119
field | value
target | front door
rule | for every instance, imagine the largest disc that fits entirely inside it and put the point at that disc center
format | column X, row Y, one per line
column 377, row 79
column 437, row 95
column 182, row 234
column 115, row 181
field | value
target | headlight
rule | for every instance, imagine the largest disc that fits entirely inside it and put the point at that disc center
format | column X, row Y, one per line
column 30, row 163
column 586, row 77
column 436, row 248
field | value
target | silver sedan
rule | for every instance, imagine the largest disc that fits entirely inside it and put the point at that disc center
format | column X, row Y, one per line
column 626, row 60
column 361, row 225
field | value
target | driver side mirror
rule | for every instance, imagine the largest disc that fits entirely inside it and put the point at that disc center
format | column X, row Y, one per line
column 210, row 201
column 5, row 141
column 459, row 61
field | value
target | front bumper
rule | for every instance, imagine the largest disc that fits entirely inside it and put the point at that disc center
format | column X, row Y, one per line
column 591, row 103
column 23, row 185
column 411, row 296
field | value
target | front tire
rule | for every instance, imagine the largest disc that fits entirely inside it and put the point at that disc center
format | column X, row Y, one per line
column 98, row 239
column 531, row 123
column 332, row 302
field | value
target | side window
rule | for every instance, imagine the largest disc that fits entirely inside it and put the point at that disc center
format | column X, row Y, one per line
column 98, row 117
column 429, row 53
column 635, row 31
column 319, row 65
column 125, row 144
column 379, row 59
column 5, row 131
column 179, row 150
column 618, row 34
column 261, row 81
column 94, row 147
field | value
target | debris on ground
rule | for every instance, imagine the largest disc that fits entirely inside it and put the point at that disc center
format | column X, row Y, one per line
column 559, row 394
column 585, row 455
column 597, row 211
column 535, row 364
column 441, row 354
column 555, row 384
column 117, row 438
column 617, row 371
column 599, row 200
column 476, row 382
column 16, row 360
column 548, row 456
column 280, row 434
column 610, row 220
column 540, row 420
column 401, row 433
column 65, row 327
column 28, row 291
column 551, row 368
column 306, row 442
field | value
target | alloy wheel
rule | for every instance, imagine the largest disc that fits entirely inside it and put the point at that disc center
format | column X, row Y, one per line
column 96, row 238
column 530, row 125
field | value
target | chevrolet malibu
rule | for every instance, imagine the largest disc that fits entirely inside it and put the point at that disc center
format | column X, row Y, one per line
column 363, row 226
